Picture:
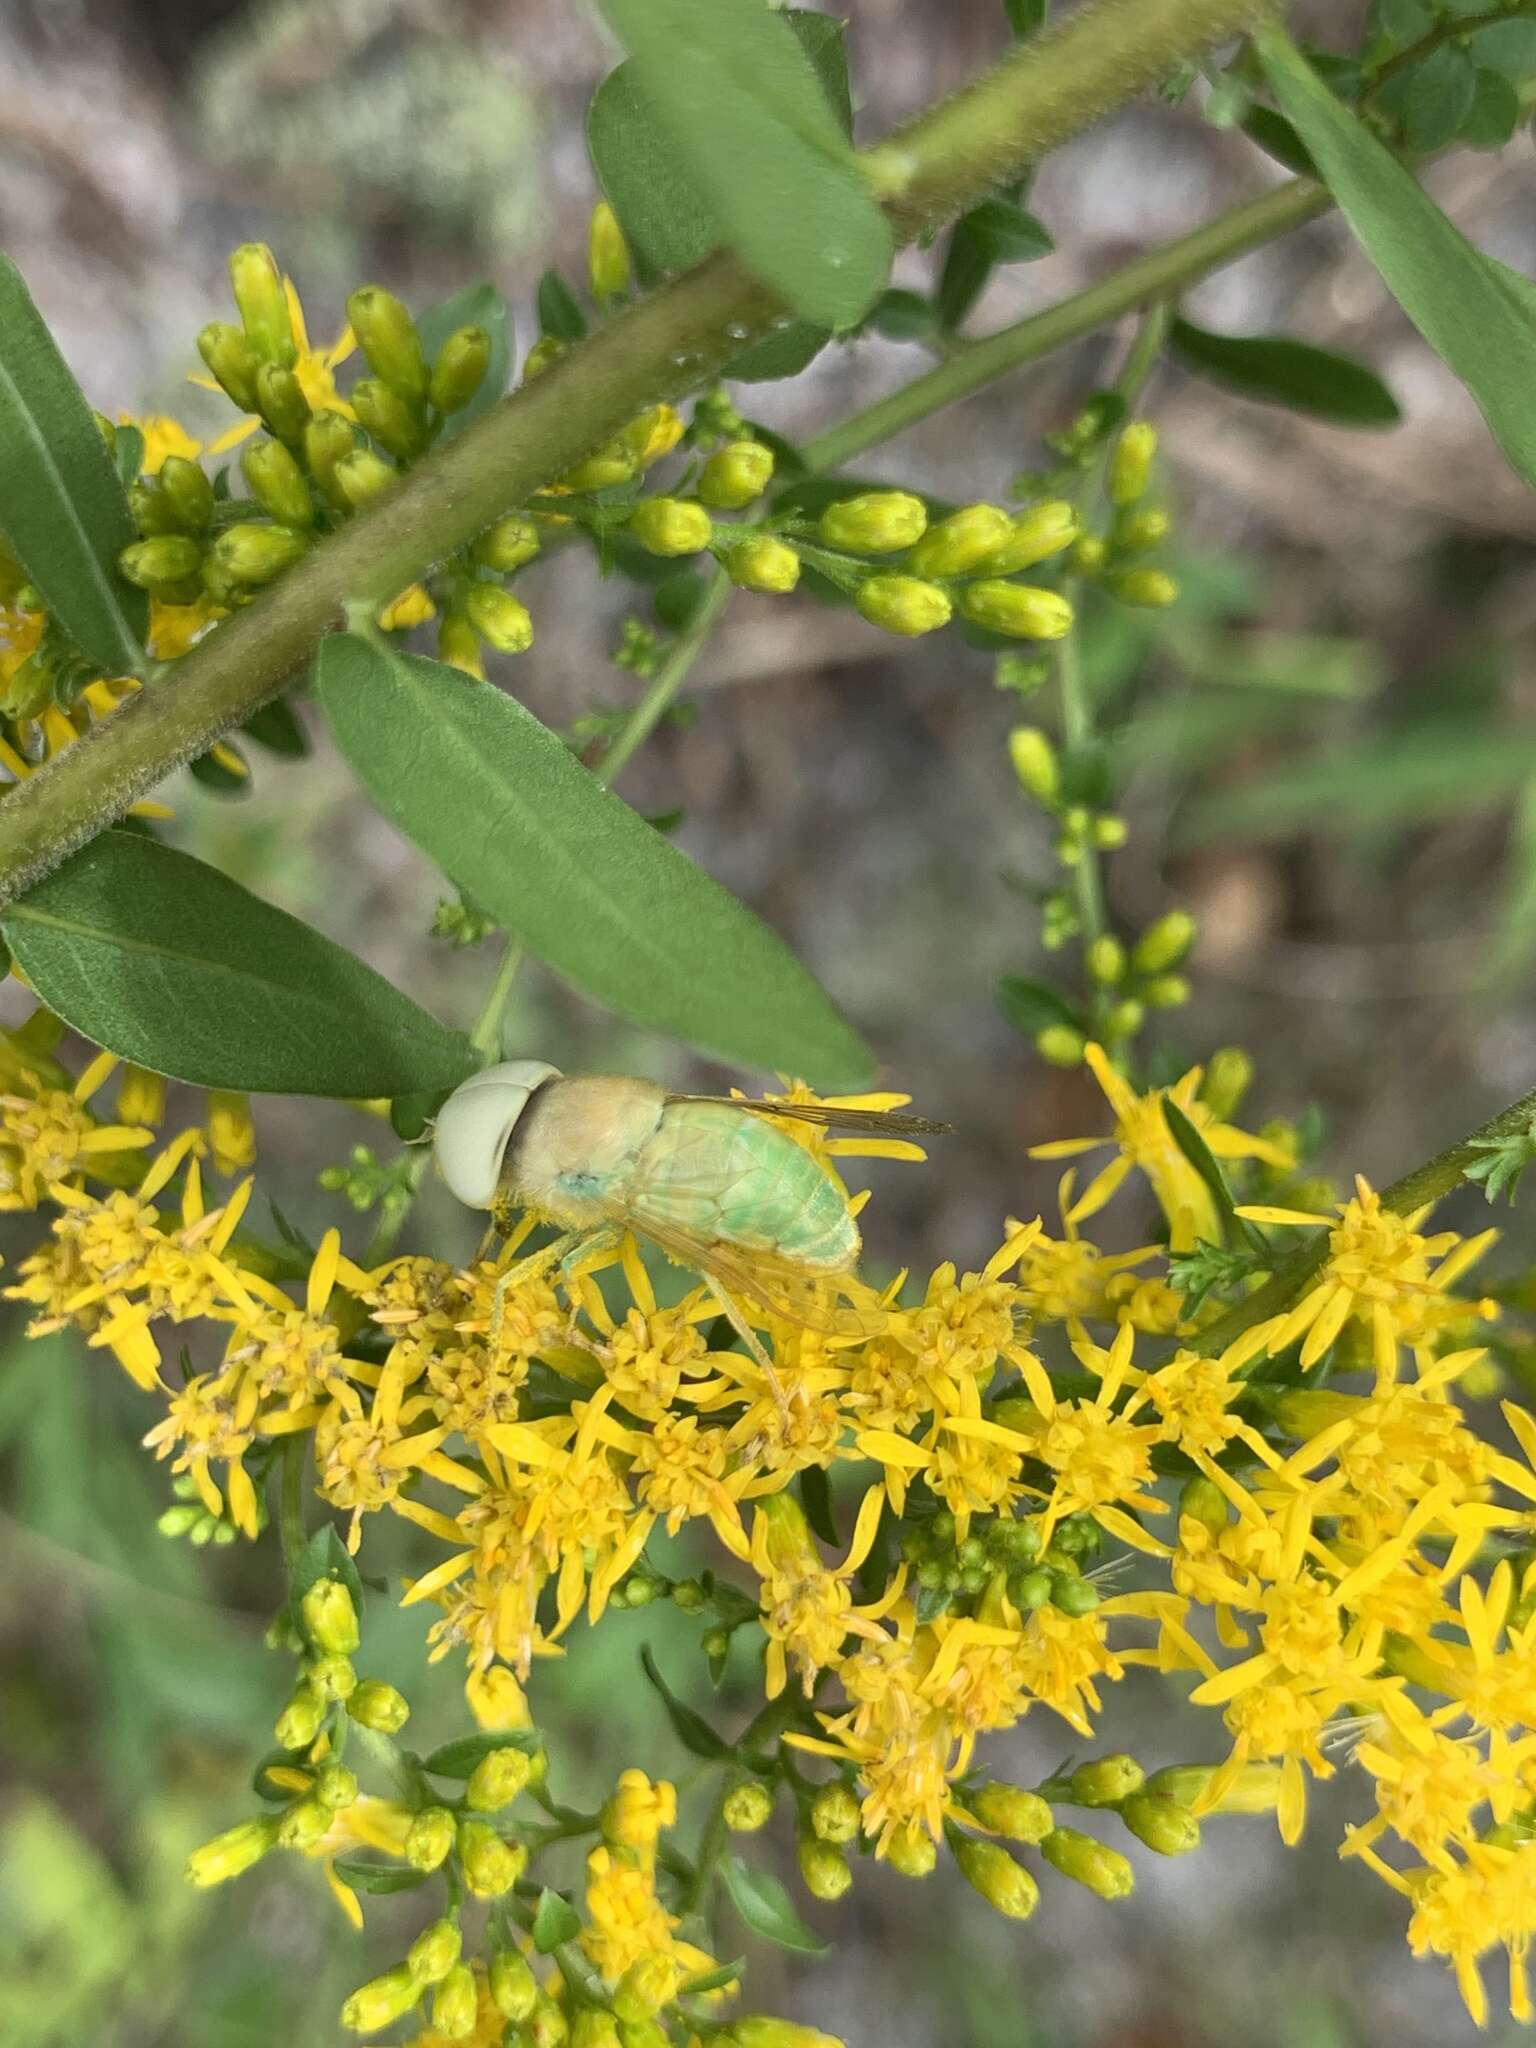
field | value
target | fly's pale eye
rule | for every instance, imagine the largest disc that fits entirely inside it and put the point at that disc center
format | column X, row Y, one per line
column 475, row 1126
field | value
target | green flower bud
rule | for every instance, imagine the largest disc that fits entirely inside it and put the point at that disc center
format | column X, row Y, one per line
column 430, row 1838
column 435, row 1951
column 614, row 463
column 508, row 544
column 332, row 1678
column 643, row 2034
column 1203, row 1499
column 902, row 604
column 1010, row 1810
column 1164, row 944
column 1130, row 467
column 252, row 553
column 757, row 2031
column 362, row 476
column 387, row 336
column 747, row 1807
column 501, row 619
column 458, row 644
column 329, row 438
column 303, row 1823
column 1034, row 536
column 1255, row 1788
column 460, row 369
column 278, row 485
column 299, row 1722
column 399, row 425
column 874, row 523
column 491, row 1866
column 670, row 526
column 548, row 349
column 1035, row 764
column 1162, row 1824
column 1109, row 832
column 989, row 1869
column 961, row 542
column 645, row 1987
column 1150, row 589
column 1061, row 1046
column 1017, row 608
column 497, row 1779
column 160, row 563
column 1105, row 960
column 153, row 512
column 281, row 402
column 763, row 563
column 187, row 491
column 232, row 1853
column 514, row 1988
column 378, row 1706
column 329, row 1617
column 263, row 303
column 736, row 474
column 594, row 2028
column 1166, row 992
column 456, row 2004
column 1228, row 1073
column 835, row 1813
column 336, row 1787
column 911, row 1852
column 607, row 254
column 1125, row 1019
column 823, row 1868
column 1073, row 1596
column 1088, row 1862
column 1106, row 1780
column 547, row 2026
column 1088, row 556
column 232, row 362
column 382, row 2001
column 1141, row 530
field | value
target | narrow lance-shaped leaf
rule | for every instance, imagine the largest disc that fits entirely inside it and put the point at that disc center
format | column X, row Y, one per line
column 167, row 962
column 1278, row 371
column 766, row 1907
column 1467, row 313
column 510, row 815
column 690, row 1728
column 63, row 508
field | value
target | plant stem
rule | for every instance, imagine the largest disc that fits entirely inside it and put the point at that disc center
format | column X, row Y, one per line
column 1444, row 32
column 667, row 681
column 1426, row 1184
column 1039, row 96
column 290, row 1513
column 485, row 1035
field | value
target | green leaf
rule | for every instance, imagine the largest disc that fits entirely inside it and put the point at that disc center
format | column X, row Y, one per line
column 276, row 727
column 711, row 1980
column 1508, row 47
column 742, row 104
column 691, row 1729
column 1026, row 17
column 1278, row 371
column 165, row 961
column 1494, row 114
column 508, row 813
column 458, row 1759
column 218, row 775
column 555, row 1922
column 324, row 1556
column 902, row 315
column 379, row 1878
column 478, row 305
column 784, row 352
column 63, row 508
column 1453, row 295
column 765, row 1907
column 1272, row 132
column 816, row 1499
column 1431, row 99
column 996, row 231
column 822, row 39
column 1503, row 1160
column 1192, row 1144
column 128, row 454
column 1030, row 1006
column 558, row 310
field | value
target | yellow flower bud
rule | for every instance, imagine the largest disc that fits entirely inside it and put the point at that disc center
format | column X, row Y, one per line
column 646, row 1986
column 162, row 563
column 639, row 1810
column 249, row 553
column 1035, row 764
column 548, row 349
column 336, row 1787
column 670, row 526
column 508, row 544
column 380, row 2002
column 1149, row 589
column 1164, row 944
column 1010, row 1810
column 1110, row 832
column 430, row 1837
column 1255, row 1788
column 835, row 1813
column 1162, row 1824
column 277, row 483
column 547, row 2026
column 1138, row 532
column 299, row 1722
column 1034, row 536
column 1125, row 1019
column 757, row 2031
column 387, row 336
column 303, row 1823
column 435, row 1951
column 458, row 644
column 378, row 1706
column 491, row 1866
column 1228, row 1073
column 1105, row 960
column 612, row 464
column 501, row 619
column 281, row 402
column 332, row 1678
column 1060, row 1045
column 763, row 563
column 188, row 491
column 1017, row 608
column 330, row 1619
column 961, row 542
column 1166, row 992
column 1088, row 556
column 497, row 1779
column 231, row 1132
column 903, row 604
column 736, row 474
column 1089, row 1862
column 460, row 369
column 1106, row 1780
column 263, row 303
column 232, row 1853
column 989, row 1869
column 643, row 2034
column 910, row 1851
column 1130, row 467
column 231, row 361
column 413, row 607
column 398, row 424
column 874, row 523
column 363, row 476
column 514, row 1988
column 607, row 254
column 496, row 1699
column 823, row 1868
column 594, row 2028
column 747, row 1807
column 140, row 1096
column 328, row 440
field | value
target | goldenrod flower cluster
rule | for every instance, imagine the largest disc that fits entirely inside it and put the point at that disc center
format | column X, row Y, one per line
column 950, row 1505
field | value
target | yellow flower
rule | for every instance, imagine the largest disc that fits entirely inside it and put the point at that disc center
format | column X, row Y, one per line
column 47, row 1136
column 163, row 436
column 314, row 368
column 807, row 1610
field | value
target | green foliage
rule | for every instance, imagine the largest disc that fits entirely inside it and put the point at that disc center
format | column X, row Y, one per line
column 1293, row 374
column 691, row 1729
column 765, row 1907
column 1502, row 1161
column 997, row 231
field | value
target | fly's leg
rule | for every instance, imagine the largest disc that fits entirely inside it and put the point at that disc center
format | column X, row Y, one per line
column 560, row 1248
column 593, row 1244
column 732, row 1311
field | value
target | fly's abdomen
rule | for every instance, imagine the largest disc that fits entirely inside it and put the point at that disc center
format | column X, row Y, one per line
column 725, row 1173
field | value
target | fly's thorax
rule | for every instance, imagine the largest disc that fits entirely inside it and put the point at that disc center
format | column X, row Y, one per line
column 573, row 1154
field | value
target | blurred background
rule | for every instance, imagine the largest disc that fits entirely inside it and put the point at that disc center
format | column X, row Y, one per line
column 1328, row 755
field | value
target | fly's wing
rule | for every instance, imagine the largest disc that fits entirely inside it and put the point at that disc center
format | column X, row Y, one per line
column 812, row 1301
column 890, row 1123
